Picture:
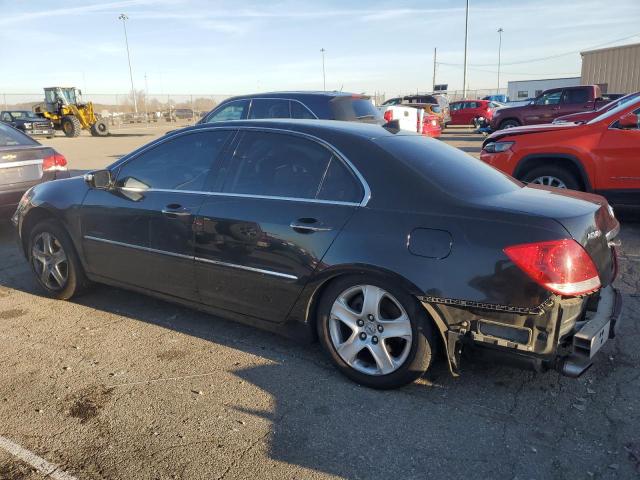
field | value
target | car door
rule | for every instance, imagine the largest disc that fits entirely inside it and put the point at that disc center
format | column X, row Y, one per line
column 454, row 112
column 618, row 167
column 140, row 232
column 262, row 233
column 575, row 100
column 543, row 109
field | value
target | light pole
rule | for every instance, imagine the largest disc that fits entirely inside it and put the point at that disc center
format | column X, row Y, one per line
column 500, row 30
column 324, row 80
column 124, row 19
column 466, row 31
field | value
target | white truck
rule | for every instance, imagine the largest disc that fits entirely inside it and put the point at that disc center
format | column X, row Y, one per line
column 412, row 119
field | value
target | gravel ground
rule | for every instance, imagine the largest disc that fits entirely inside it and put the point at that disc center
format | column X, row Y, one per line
column 116, row 385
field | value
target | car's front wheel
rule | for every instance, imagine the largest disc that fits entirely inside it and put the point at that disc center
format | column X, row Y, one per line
column 375, row 333
column 54, row 261
column 552, row 176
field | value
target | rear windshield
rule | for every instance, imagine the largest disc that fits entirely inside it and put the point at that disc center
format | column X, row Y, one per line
column 355, row 108
column 447, row 168
column 10, row 137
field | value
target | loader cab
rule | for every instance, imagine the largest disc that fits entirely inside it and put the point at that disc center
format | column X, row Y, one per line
column 57, row 97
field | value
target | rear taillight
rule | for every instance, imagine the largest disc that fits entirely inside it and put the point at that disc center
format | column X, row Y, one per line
column 561, row 266
column 55, row 162
column 388, row 115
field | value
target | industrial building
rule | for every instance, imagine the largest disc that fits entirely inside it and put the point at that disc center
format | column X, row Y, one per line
column 615, row 69
column 522, row 89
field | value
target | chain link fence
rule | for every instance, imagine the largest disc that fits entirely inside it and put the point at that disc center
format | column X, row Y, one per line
column 121, row 109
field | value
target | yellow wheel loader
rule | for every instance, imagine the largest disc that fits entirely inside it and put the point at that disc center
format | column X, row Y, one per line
column 63, row 106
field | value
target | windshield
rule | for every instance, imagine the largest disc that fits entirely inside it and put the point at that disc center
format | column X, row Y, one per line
column 614, row 111
column 24, row 114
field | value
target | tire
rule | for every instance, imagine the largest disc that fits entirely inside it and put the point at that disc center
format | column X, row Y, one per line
column 100, row 129
column 509, row 123
column 71, row 126
column 74, row 280
column 553, row 176
column 409, row 357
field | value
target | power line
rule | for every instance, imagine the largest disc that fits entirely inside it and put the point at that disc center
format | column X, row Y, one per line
column 550, row 57
column 457, row 65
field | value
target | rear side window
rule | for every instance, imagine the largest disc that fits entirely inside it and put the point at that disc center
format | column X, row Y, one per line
column 339, row 184
column 180, row 163
column 269, row 108
column 575, row 95
column 10, row 137
column 236, row 110
column 447, row 168
column 277, row 165
column 354, row 108
column 300, row 111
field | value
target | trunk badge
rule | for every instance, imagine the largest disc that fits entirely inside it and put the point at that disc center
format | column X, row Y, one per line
column 9, row 157
column 593, row 235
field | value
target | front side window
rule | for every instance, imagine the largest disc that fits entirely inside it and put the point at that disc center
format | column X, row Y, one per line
column 236, row 110
column 180, row 163
column 279, row 165
column 552, row 98
column 269, row 108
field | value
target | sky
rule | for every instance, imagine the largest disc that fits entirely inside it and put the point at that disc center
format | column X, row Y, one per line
column 231, row 47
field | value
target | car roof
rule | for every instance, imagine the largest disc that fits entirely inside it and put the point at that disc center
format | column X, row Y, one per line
column 312, row 127
column 293, row 93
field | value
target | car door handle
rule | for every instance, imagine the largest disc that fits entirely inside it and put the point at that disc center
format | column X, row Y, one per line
column 309, row 225
column 174, row 211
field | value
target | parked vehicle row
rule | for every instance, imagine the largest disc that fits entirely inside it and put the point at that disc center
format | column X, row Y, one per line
column 601, row 155
column 417, row 118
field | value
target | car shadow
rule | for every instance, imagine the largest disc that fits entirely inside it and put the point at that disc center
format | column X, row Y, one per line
column 326, row 423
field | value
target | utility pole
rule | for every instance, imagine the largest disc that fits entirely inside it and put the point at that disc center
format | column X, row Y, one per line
column 124, row 19
column 435, row 54
column 466, row 32
column 146, row 98
column 324, row 79
column 500, row 30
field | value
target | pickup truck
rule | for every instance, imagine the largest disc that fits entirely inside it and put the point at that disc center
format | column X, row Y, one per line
column 549, row 105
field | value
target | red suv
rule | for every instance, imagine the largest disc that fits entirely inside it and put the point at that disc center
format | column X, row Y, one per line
column 465, row 112
column 601, row 156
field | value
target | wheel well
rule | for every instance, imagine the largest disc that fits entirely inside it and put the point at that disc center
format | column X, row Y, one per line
column 527, row 165
column 312, row 305
column 35, row 216
column 510, row 119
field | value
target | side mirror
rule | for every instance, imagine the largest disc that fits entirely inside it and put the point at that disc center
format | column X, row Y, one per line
column 99, row 179
column 628, row 121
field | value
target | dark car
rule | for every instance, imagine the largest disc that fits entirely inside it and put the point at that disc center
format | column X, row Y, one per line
column 388, row 247
column 299, row 105
column 24, row 163
column 30, row 123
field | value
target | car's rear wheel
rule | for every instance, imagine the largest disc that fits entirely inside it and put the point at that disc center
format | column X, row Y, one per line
column 375, row 333
column 54, row 261
column 509, row 124
column 552, row 176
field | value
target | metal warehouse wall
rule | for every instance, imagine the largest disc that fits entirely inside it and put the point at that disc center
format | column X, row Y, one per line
column 523, row 89
column 617, row 67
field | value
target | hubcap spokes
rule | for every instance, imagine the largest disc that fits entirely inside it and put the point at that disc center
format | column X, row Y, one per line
column 49, row 261
column 370, row 330
column 549, row 181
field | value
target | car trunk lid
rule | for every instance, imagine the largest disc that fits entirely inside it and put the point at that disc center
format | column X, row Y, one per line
column 21, row 164
column 586, row 217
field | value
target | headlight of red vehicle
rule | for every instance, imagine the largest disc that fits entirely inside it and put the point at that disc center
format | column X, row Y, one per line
column 497, row 147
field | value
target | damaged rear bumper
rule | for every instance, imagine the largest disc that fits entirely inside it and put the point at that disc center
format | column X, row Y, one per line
column 564, row 335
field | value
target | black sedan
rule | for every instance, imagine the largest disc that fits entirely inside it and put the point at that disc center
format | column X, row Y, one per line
column 388, row 247
column 23, row 164
column 30, row 123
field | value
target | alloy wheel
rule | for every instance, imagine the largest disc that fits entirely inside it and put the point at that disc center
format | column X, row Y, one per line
column 50, row 261
column 370, row 330
column 549, row 181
